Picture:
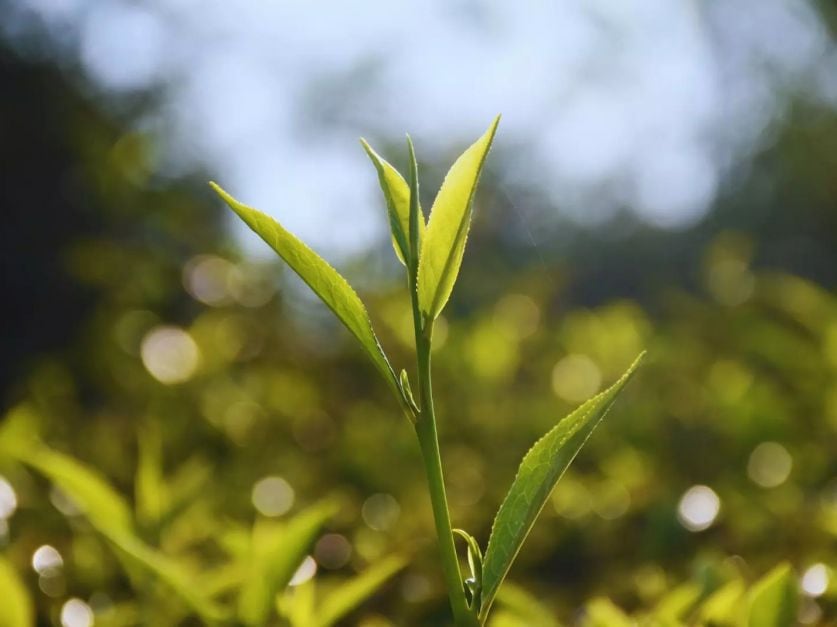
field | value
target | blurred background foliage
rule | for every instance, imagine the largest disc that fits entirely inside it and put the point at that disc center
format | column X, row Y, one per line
column 142, row 339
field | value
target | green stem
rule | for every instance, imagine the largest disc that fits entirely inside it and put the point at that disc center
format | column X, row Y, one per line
column 429, row 443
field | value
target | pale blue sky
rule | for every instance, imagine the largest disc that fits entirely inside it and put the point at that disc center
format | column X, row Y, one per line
column 607, row 104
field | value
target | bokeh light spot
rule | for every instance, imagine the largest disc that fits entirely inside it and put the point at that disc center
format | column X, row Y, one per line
column 8, row 499
column 207, row 278
column 170, row 354
column 76, row 613
column 305, row 572
column 380, row 512
column 769, row 465
column 698, row 508
column 273, row 496
column 47, row 560
column 815, row 580
column 576, row 378
column 333, row 551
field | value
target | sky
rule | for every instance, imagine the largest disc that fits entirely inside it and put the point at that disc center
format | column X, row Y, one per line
column 648, row 106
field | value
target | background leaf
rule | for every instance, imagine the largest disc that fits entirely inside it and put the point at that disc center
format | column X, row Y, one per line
column 326, row 282
column 397, row 196
column 110, row 515
column 348, row 596
column 15, row 604
column 447, row 228
column 774, row 599
column 539, row 471
column 276, row 552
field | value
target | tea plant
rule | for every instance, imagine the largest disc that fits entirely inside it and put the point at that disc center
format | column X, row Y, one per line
column 242, row 589
column 431, row 252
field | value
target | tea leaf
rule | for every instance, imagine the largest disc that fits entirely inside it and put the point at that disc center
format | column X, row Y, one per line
column 111, row 517
column 539, row 471
column 397, row 196
column 475, row 564
column 17, row 608
column 774, row 598
column 525, row 607
column 276, row 552
column 351, row 594
column 601, row 612
column 326, row 282
column 447, row 228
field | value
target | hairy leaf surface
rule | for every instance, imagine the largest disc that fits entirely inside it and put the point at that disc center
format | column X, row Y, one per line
column 539, row 471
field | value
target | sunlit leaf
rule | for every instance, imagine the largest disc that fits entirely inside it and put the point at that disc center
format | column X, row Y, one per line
column 523, row 606
column 326, row 282
column 15, row 604
column 276, row 552
column 110, row 516
column 676, row 604
column 298, row 604
column 167, row 570
column 724, row 606
column 103, row 506
column 447, row 228
column 539, row 471
column 397, row 196
column 774, row 599
column 601, row 612
column 348, row 596
column 149, row 486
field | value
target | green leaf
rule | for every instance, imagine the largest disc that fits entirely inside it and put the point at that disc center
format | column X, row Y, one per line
column 774, row 599
column 110, row 516
column 326, row 282
column 16, row 607
column 539, row 471
column 149, row 485
column 103, row 506
column 526, row 608
column 416, row 220
column 276, row 552
column 447, row 229
column 677, row 603
column 601, row 612
column 298, row 605
column 166, row 570
column 397, row 196
column 351, row 594
column 475, row 564
column 724, row 607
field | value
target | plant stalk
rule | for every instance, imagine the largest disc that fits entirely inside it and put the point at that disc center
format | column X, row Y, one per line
column 429, row 444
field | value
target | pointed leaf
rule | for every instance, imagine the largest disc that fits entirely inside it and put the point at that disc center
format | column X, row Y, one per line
column 397, row 196
column 16, row 608
column 351, row 594
column 539, row 471
column 774, row 599
column 525, row 607
column 447, row 228
column 602, row 612
column 297, row 605
column 276, row 552
column 326, row 282
column 110, row 516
